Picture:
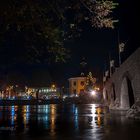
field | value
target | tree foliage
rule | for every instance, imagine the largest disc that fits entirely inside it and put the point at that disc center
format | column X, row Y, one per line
column 90, row 82
column 38, row 28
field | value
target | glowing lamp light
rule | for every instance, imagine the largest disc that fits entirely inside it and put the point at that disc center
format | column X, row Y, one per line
column 53, row 86
column 93, row 92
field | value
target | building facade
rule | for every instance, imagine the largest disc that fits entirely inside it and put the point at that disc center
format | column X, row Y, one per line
column 76, row 85
column 44, row 92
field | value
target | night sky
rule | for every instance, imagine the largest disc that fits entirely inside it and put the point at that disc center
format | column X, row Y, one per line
column 94, row 45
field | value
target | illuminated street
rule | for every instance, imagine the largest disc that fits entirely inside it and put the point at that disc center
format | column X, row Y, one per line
column 66, row 122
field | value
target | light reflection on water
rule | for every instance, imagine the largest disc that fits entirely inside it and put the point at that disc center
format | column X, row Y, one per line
column 89, row 121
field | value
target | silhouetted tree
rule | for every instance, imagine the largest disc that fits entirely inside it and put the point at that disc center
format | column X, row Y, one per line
column 35, row 30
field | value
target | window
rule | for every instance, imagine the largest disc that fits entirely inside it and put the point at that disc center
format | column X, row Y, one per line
column 74, row 83
column 82, row 83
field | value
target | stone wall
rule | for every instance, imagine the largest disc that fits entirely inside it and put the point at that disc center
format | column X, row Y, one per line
column 122, row 90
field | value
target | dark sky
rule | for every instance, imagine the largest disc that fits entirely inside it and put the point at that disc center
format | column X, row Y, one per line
column 95, row 45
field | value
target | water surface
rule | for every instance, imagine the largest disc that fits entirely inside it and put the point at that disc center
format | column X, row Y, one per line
column 66, row 122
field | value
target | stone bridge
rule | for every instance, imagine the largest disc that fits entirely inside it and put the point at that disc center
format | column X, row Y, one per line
column 122, row 90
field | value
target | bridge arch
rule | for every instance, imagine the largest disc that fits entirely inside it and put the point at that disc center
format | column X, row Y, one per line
column 126, row 94
column 113, row 92
column 105, row 95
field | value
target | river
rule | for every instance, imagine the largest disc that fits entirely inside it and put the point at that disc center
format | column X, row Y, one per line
column 66, row 122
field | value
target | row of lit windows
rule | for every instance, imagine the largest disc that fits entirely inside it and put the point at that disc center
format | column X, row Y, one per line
column 47, row 90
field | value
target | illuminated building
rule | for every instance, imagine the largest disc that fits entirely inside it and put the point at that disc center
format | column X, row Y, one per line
column 76, row 85
column 44, row 92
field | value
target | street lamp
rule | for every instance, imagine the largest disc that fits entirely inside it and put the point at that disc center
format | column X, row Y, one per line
column 93, row 92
